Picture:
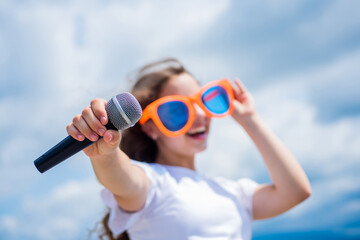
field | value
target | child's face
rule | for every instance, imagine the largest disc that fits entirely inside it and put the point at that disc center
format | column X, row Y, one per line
column 195, row 140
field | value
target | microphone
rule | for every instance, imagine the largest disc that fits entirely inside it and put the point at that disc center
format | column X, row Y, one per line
column 123, row 111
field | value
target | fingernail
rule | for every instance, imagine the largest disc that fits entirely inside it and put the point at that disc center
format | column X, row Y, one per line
column 110, row 137
column 101, row 131
column 80, row 137
column 103, row 120
column 93, row 136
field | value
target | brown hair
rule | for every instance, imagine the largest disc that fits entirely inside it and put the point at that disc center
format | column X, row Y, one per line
column 150, row 80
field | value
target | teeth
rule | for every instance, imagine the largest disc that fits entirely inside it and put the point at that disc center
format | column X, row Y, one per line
column 198, row 130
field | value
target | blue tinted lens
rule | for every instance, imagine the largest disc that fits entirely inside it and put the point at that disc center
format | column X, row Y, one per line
column 174, row 115
column 216, row 100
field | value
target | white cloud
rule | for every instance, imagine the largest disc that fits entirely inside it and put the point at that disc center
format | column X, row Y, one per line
column 230, row 152
column 291, row 106
column 213, row 68
column 189, row 20
column 8, row 224
column 328, row 151
column 273, row 8
column 73, row 73
column 328, row 207
column 293, row 120
column 108, row 33
column 77, row 44
column 335, row 22
column 64, row 213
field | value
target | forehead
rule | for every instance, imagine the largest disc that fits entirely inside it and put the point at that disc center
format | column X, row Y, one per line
column 183, row 84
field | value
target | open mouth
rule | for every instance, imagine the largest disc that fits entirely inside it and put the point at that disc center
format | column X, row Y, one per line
column 197, row 133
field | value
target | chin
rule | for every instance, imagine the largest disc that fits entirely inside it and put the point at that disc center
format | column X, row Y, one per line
column 195, row 150
column 200, row 148
column 197, row 143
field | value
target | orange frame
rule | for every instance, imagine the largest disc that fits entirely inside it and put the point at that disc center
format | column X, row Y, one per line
column 150, row 112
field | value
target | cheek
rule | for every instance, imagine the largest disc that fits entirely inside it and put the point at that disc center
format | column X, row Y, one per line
column 208, row 121
column 172, row 142
column 182, row 144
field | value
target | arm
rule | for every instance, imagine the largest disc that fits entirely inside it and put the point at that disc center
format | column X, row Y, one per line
column 290, row 184
column 112, row 167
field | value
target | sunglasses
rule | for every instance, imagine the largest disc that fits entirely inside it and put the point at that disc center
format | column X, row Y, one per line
column 173, row 115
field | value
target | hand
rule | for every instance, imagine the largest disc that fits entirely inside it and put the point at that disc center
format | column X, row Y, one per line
column 244, row 105
column 91, row 124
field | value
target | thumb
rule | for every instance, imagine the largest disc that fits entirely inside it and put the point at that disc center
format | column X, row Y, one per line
column 112, row 137
column 111, row 140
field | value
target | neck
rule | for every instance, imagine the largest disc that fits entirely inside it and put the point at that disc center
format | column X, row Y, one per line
column 175, row 159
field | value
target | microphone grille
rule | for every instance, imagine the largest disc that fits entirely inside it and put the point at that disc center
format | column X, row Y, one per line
column 123, row 110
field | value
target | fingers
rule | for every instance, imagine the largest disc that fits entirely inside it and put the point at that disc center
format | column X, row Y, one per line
column 90, row 123
column 81, row 132
column 93, row 121
column 83, row 127
column 112, row 137
column 239, row 90
column 240, row 86
column 74, row 132
column 110, row 141
column 98, row 107
column 236, row 89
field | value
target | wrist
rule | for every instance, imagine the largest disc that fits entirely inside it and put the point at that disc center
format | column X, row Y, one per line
column 249, row 121
column 106, row 156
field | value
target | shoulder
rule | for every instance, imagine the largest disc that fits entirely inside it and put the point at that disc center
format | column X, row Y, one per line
column 241, row 182
column 243, row 189
column 151, row 169
column 243, row 185
column 157, row 173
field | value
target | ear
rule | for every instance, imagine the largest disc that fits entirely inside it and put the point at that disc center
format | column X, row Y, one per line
column 150, row 130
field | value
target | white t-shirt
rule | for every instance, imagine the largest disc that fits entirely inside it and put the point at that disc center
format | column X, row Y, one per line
column 183, row 204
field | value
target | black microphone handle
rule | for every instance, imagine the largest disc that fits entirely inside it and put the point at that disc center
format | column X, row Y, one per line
column 63, row 150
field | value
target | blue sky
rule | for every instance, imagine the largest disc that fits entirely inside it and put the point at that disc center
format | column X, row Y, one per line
column 300, row 59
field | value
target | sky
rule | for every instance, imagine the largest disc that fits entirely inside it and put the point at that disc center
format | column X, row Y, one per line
column 299, row 59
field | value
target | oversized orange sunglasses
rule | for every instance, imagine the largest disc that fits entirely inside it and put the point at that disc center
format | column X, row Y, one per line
column 174, row 115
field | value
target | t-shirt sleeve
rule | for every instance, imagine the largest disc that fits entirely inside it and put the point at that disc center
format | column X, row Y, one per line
column 245, row 189
column 119, row 219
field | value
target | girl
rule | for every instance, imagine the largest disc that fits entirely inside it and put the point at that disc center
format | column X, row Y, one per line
column 158, row 194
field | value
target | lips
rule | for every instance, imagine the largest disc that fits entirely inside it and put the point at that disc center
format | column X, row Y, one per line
column 198, row 133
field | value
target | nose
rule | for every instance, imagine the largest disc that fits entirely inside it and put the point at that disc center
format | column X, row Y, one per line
column 200, row 116
column 199, row 112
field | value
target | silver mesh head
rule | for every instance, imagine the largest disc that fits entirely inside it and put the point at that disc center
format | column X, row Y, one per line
column 123, row 110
